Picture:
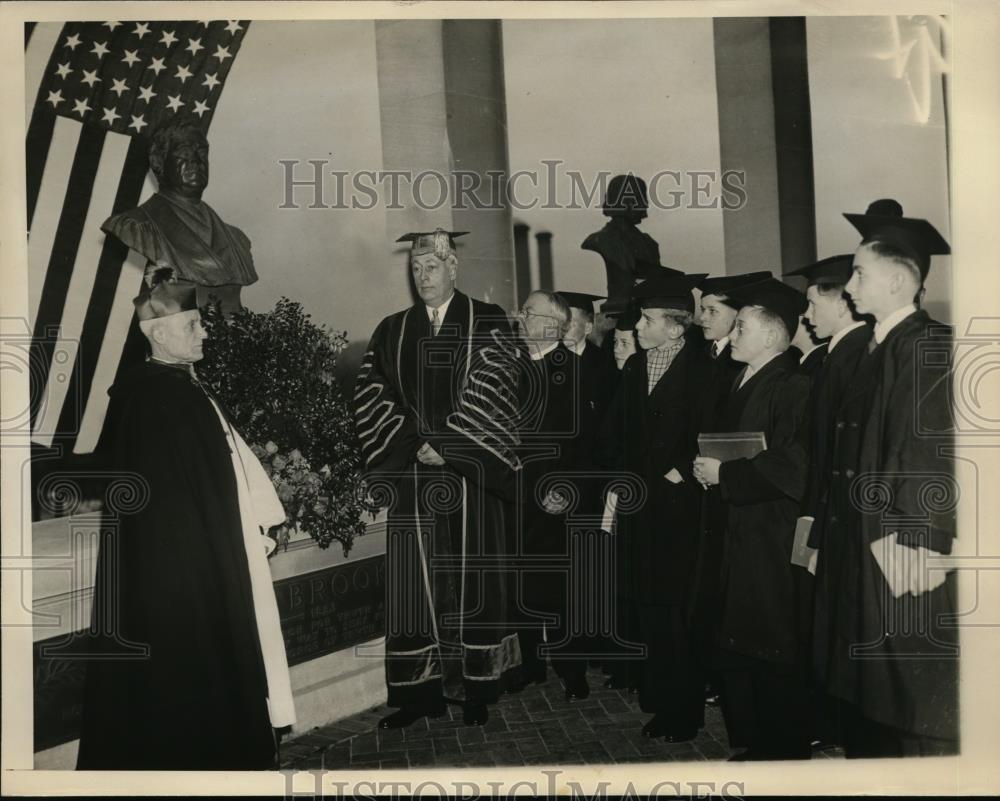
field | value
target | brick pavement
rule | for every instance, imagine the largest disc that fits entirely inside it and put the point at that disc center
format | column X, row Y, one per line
column 534, row 727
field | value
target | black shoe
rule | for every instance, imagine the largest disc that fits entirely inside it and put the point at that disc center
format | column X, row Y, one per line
column 475, row 714
column 681, row 736
column 613, row 682
column 407, row 715
column 576, row 688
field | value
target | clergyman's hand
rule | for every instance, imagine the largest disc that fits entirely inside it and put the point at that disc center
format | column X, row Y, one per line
column 555, row 503
column 427, row 455
column 706, row 470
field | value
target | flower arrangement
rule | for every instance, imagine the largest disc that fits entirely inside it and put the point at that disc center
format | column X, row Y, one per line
column 274, row 371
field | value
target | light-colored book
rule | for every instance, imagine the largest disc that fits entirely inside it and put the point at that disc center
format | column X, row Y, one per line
column 730, row 445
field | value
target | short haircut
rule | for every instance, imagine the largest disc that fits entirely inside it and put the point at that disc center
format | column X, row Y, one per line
column 827, row 288
column 684, row 319
column 558, row 305
column 897, row 256
column 166, row 136
column 768, row 319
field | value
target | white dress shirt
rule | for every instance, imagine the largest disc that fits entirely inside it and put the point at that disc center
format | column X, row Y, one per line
column 883, row 328
column 442, row 310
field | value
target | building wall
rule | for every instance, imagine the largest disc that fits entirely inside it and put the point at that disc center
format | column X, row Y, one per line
column 873, row 136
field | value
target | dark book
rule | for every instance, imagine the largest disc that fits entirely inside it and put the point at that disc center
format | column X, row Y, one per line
column 727, row 446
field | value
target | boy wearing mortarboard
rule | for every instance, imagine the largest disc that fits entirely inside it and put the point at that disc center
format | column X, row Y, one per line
column 654, row 409
column 189, row 669
column 882, row 649
column 435, row 411
column 760, row 656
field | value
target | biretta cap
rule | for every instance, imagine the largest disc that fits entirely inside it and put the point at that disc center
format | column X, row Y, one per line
column 165, row 296
column 884, row 222
column 724, row 284
column 774, row 295
column 581, row 300
column 667, row 292
column 832, row 270
column 439, row 242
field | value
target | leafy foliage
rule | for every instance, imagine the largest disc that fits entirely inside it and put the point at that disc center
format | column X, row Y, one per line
column 274, row 371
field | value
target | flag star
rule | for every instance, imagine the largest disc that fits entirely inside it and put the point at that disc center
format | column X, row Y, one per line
column 72, row 42
column 90, row 78
column 200, row 108
column 234, row 26
column 130, row 57
column 194, row 45
column 80, row 107
column 111, row 25
column 141, row 29
column 156, row 65
column 138, row 123
column 222, row 53
column 100, row 48
column 205, row 22
column 183, row 73
column 64, row 70
column 210, row 81
column 174, row 102
column 55, row 98
column 168, row 38
column 146, row 93
column 110, row 115
column 118, row 87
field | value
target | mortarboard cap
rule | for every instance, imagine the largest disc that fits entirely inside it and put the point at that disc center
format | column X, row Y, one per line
column 627, row 319
column 580, row 300
column 666, row 291
column 439, row 242
column 725, row 284
column 774, row 295
column 832, row 270
column 165, row 296
column 883, row 221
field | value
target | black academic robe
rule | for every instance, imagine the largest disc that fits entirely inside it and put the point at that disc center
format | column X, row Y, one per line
column 446, row 622
column 893, row 659
column 597, row 380
column 177, row 680
column 762, row 496
column 713, row 382
column 813, row 362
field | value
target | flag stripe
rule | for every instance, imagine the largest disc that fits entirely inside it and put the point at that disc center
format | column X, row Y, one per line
column 83, row 273
column 37, row 56
column 102, row 298
column 120, row 323
column 68, row 234
column 50, row 203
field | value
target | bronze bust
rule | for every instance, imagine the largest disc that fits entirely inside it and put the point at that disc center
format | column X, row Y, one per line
column 176, row 228
column 630, row 256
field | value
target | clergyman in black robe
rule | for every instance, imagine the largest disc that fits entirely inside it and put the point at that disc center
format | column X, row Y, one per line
column 435, row 403
column 187, row 669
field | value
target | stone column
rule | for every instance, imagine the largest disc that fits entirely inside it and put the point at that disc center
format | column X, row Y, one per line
column 522, row 261
column 546, row 274
column 442, row 107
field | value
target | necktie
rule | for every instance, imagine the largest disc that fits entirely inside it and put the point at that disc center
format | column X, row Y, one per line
column 435, row 322
column 872, row 344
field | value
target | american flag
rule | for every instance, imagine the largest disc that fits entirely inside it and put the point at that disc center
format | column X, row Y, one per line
column 100, row 89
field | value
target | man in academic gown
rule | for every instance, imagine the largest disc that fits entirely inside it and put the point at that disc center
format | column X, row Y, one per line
column 592, row 395
column 656, row 408
column 549, row 425
column 187, row 667
column 760, row 654
column 890, row 654
column 833, row 318
column 435, row 412
column 715, row 376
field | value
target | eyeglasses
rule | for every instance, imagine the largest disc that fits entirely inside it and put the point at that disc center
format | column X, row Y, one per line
column 530, row 313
